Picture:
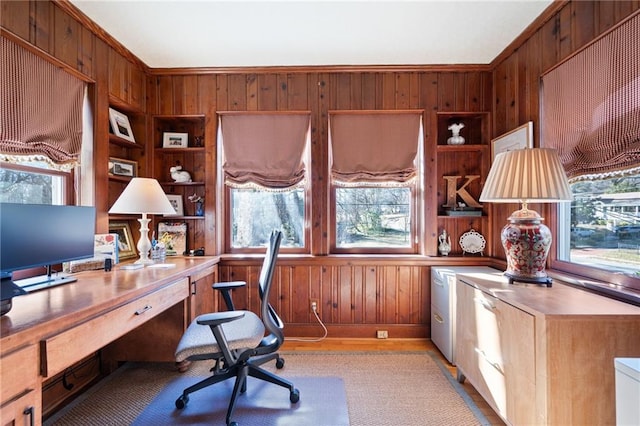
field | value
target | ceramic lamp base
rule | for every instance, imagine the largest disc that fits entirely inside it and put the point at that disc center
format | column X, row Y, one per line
column 526, row 241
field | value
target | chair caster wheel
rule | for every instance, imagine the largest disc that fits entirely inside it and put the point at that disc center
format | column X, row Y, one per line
column 182, row 402
column 279, row 363
column 294, row 396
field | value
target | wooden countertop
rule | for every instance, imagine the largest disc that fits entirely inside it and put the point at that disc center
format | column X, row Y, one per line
column 559, row 299
column 45, row 312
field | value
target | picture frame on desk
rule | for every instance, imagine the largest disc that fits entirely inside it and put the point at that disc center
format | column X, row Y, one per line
column 175, row 140
column 518, row 138
column 126, row 246
column 174, row 237
column 120, row 125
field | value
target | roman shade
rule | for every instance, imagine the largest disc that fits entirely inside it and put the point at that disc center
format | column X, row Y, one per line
column 264, row 149
column 591, row 106
column 40, row 109
column 374, row 147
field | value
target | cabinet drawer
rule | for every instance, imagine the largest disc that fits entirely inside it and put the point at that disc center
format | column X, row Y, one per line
column 441, row 292
column 19, row 372
column 442, row 333
column 22, row 410
column 74, row 344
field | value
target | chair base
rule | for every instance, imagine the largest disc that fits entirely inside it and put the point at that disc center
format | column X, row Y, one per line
column 240, row 371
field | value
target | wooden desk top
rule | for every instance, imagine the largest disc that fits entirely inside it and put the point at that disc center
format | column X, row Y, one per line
column 558, row 300
column 46, row 312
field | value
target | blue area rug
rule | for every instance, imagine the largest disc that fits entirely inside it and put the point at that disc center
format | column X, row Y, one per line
column 323, row 402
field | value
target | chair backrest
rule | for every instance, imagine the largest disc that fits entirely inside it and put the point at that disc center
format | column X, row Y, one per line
column 271, row 320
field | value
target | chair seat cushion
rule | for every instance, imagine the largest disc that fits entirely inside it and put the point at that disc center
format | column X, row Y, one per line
column 198, row 341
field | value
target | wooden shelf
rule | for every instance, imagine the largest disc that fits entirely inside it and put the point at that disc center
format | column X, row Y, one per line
column 117, row 140
column 195, row 149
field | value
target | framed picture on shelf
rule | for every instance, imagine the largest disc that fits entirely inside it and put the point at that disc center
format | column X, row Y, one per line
column 174, row 237
column 518, row 138
column 122, row 167
column 126, row 246
column 175, row 140
column 176, row 202
column 120, row 125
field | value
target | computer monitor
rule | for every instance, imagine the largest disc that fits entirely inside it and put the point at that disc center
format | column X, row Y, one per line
column 33, row 235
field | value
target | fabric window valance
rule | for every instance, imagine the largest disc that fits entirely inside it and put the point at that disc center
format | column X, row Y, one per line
column 374, row 146
column 264, row 149
column 40, row 109
column 591, row 106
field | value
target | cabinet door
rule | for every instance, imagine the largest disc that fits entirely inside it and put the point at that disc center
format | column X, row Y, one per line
column 517, row 330
column 21, row 411
column 203, row 298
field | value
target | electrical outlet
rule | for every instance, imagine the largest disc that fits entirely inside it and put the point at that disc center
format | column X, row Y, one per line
column 382, row 334
column 314, row 306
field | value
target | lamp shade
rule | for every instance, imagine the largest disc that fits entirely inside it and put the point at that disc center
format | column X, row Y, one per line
column 527, row 175
column 142, row 196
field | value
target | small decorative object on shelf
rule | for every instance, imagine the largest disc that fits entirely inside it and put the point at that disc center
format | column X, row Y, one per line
column 179, row 175
column 198, row 141
column 174, row 237
column 199, row 202
column 472, row 242
column 455, row 139
column 463, row 210
column 445, row 243
column 175, row 140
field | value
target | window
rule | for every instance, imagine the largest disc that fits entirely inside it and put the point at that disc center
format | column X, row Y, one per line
column 375, row 161
column 264, row 157
column 256, row 212
column 601, row 227
column 33, row 184
column 373, row 217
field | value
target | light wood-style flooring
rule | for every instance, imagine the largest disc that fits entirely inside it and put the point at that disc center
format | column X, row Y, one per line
column 338, row 344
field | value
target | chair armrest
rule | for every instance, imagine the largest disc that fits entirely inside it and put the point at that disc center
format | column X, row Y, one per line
column 225, row 289
column 228, row 285
column 218, row 318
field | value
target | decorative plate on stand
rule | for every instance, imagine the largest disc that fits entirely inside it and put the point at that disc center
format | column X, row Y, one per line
column 472, row 242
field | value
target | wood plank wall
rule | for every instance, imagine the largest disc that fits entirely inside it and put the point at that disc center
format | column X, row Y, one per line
column 357, row 296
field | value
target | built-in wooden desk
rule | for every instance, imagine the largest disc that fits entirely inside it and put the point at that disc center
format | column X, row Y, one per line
column 49, row 330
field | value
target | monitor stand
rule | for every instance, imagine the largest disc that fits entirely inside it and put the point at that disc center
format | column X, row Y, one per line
column 40, row 282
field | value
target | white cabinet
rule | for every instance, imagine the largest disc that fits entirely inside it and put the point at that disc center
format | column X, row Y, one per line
column 627, row 391
column 443, row 305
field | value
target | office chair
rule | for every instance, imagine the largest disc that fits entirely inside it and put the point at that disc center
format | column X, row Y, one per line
column 238, row 337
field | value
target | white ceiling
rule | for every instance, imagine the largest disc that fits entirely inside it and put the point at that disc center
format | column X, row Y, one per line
column 176, row 34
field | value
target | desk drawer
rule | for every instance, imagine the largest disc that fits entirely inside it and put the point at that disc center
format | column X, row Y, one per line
column 19, row 372
column 62, row 350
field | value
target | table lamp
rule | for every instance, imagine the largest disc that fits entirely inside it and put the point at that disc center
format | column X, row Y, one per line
column 526, row 176
column 143, row 196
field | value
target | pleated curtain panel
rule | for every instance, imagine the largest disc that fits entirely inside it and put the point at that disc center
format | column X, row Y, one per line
column 265, row 150
column 373, row 147
column 40, row 109
column 591, row 106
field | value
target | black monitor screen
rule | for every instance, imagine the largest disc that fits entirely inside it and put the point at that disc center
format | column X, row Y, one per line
column 40, row 235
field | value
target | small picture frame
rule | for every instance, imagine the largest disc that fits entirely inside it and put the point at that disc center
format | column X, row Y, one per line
column 174, row 237
column 126, row 246
column 176, row 202
column 518, row 138
column 120, row 125
column 175, row 140
column 122, row 167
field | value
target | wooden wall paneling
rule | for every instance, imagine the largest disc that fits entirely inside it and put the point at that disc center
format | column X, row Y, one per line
column 207, row 105
column 222, row 92
column 186, row 98
column 42, row 15
column 236, row 84
column 137, row 87
column 604, row 15
column 85, row 52
column 341, row 93
column 165, row 95
column 118, row 76
column 389, row 91
column 297, row 96
column 583, row 23
column 429, row 101
column 16, row 17
column 321, row 174
column 252, row 92
column 346, row 284
column 565, row 30
column 267, row 99
column 367, row 83
column 357, row 93
column 101, row 143
column 67, row 36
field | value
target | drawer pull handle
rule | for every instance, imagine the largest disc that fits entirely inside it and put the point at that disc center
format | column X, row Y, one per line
column 439, row 283
column 438, row 318
column 143, row 310
column 494, row 364
column 485, row 303
column 29, row 412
